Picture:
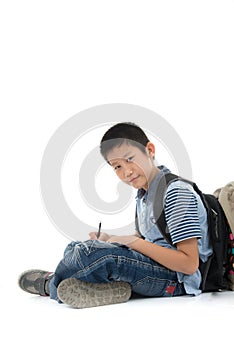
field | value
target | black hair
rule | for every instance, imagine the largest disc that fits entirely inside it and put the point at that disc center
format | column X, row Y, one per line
column 123, row 132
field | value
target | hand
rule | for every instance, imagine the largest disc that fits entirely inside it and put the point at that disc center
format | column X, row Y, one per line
column 103, row 236
column 126, row 240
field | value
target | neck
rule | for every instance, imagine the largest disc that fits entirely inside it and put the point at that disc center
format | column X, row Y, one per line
column 154, row 173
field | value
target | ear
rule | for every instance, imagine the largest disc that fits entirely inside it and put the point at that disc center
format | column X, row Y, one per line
column 150, row 149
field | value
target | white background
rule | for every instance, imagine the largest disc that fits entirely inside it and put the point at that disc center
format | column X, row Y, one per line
column 61, row 57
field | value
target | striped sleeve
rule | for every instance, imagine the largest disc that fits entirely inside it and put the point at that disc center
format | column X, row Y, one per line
column 181, row 212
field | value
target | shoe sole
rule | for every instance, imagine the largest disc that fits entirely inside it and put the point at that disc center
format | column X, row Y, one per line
column 80, row 294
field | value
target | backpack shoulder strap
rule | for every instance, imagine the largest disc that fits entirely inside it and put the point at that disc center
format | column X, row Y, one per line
column 158, row 205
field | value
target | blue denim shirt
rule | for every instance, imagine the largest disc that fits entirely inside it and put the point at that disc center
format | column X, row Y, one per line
column 151, row 233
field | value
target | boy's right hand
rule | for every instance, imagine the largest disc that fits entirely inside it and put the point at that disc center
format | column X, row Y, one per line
column 103, row 236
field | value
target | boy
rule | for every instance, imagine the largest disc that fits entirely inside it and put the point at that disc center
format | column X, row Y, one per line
column 107, row 269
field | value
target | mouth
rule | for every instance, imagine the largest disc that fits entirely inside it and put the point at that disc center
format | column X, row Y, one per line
column 134, row 179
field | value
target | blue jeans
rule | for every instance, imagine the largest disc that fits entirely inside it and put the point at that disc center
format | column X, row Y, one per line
column 96, row 261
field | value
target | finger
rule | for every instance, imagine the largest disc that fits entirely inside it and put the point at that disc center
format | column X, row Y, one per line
column 93, row 235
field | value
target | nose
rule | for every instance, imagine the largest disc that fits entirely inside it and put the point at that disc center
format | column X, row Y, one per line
column 128, row 172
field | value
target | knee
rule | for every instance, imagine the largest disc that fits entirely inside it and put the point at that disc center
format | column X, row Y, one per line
column 92, row 249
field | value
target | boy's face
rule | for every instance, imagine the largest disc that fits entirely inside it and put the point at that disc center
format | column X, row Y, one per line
column 132, row 166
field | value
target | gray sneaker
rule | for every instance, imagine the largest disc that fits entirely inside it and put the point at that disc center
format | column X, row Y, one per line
column 80, row 294
column 35, row 281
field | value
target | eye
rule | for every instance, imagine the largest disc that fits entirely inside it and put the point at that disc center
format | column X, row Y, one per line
column 117, row 167
column 130, row 159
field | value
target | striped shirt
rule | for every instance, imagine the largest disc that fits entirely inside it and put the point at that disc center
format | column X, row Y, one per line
column 181, row 212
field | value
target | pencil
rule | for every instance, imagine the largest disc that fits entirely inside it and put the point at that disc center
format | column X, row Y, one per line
column 99, row 229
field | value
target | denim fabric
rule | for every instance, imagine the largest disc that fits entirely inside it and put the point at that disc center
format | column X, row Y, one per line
column 96, row 261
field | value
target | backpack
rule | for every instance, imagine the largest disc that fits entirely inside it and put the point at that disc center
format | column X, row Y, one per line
column 230, row 261
column 213, row 270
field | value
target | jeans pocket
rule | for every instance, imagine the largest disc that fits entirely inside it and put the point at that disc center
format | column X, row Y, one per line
column 155, row 287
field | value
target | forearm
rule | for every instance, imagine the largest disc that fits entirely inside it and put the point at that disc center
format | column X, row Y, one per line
column 184, row 259
column 175, row 260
